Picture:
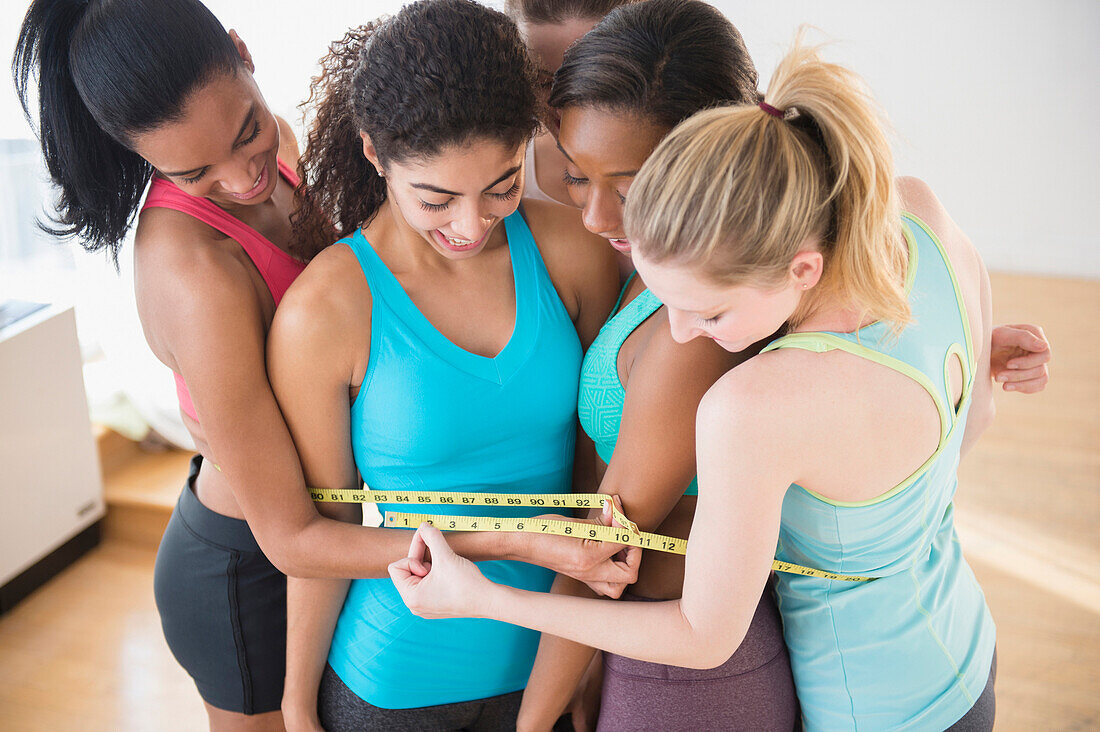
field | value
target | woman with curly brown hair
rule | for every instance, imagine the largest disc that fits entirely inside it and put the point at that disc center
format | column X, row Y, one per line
column 435, row 346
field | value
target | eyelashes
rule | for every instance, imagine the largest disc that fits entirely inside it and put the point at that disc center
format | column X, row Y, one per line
column 506, row 196
column 570, row 180
column 251, row 138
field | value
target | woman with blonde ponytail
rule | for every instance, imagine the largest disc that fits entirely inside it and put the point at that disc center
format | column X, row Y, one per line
column 836, row 448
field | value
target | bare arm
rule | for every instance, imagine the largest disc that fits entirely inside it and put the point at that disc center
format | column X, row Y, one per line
column 312, row 378
column 652, row 466
column 559, row 666
column 202, row 316
column 982, row 408
column 744, row 468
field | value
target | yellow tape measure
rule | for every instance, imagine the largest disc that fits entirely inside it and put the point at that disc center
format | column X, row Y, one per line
column 627, row 533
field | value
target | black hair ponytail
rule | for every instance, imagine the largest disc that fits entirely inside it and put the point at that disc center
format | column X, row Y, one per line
column 104, row 71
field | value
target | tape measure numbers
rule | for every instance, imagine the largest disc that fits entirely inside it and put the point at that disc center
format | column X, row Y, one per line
column 627, row 533
column 575, row 529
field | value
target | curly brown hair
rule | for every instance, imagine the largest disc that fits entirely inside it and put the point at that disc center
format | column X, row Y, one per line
column 438, row 73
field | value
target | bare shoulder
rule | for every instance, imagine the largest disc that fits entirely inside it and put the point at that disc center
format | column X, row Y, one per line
column 918, row 199
column 698, row 360
column 562, row 239
column 329, row 295
column 288, row 143
column 763, row 396
column 183, row 261
column 322, row 326
column 193, row 287
column 581, row 265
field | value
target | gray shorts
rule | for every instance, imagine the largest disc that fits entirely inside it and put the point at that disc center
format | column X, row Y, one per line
column 341, row 709
column 222, row 606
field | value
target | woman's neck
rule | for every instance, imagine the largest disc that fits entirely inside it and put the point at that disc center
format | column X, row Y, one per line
column 834, row 315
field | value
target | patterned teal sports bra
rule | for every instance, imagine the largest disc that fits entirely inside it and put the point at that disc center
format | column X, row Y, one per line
column 601, row 398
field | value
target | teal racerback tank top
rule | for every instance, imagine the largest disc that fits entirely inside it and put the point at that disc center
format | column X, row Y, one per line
column 602, row 396
column 433, row 416
column 911, row 649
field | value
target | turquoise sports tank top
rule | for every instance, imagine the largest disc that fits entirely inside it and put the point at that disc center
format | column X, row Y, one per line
column 911, row 649
column 602, row 396
column 433, row 416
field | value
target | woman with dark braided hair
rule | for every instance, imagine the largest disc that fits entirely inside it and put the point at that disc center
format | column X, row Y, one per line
column 435, row 346
column 137, row 94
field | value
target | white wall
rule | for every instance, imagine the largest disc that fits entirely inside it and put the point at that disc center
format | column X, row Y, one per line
column 995, row 103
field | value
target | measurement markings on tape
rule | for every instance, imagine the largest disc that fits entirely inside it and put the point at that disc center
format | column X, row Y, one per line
column 575, row 529
column 627, row 533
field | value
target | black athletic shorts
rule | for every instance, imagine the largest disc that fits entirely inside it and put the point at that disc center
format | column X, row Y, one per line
column 222, row 606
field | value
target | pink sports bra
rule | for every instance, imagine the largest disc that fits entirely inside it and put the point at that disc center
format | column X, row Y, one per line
column 276, row 266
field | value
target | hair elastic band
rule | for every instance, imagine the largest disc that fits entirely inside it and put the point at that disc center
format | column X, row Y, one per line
column 778, row 114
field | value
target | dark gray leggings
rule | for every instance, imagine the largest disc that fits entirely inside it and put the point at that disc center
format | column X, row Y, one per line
column 341, row 709
column 980, row 717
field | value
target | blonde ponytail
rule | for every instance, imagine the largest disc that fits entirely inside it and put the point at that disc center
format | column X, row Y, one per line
column 737, row 191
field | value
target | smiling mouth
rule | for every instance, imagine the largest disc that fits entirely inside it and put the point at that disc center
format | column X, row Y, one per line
column 620, row 245
column 258, row 186
column 458, row 244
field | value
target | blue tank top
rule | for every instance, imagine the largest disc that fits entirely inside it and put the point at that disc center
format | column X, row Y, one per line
column 602, row 396
column 433, row 416
column 911, row 649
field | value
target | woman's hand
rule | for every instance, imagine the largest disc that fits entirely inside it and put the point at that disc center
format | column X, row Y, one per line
column 445, row 586
column 605, row 567
column 1018, row 358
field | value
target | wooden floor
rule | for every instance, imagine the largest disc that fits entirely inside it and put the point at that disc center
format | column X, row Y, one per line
column 86, row 653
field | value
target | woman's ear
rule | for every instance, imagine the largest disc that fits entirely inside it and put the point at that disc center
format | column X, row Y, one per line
column 806, row 268
column 371, row 154
column 242, row 49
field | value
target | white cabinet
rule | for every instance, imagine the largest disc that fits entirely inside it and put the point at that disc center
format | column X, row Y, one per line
column 51, row 489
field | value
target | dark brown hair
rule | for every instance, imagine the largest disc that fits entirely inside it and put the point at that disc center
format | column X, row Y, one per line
column 661, row 59
column 436, row 74
column 555, row 11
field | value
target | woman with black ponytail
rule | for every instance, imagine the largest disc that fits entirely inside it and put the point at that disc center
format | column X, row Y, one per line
column 133, row 91
column 137, row 94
